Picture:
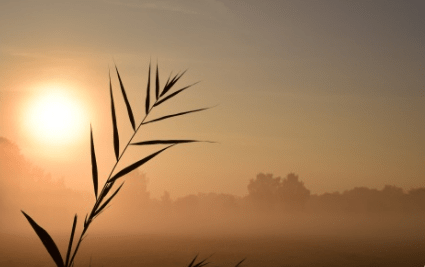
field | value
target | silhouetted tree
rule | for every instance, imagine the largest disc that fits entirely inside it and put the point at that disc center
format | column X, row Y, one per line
column 363, row 200
column 292, row 193
column 268, row 191
column 263, row 190
column 394, row 199
column 416, row 198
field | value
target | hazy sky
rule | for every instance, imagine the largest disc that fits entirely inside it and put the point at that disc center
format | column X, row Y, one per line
column 331, row 90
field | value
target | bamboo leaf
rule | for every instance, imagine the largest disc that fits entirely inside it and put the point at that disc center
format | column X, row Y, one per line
column 239, row 263
column 85, row 221
column 173, row 94
column 157, row 83
column 127, row 104
column 167, row 86
column 193, row 261
column 114, row 122
column 99, row 210
column 93, row 164
column 137, row 164
column 201, row 264
column 71, row 239
column 168, row 80
column 47, row 240
column 172, row 82
column 175, row 115
column 164, row 142
column 148, row 90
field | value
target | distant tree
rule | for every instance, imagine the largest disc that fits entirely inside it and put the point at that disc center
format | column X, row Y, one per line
column 416, row 198
column 268, row 191
column 263, row 190
column 292, row 193
column 394, row 199
column 363, row 200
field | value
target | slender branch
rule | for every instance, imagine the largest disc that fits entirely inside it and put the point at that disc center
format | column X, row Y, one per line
column 108, row 184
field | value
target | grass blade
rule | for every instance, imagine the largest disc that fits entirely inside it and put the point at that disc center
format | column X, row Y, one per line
column 47, row 240
column 164, row 142
column 201, row 264
column 192, row 262
column 172, row 82
column 148, row 90
column 136, row 164
column 114, row 122
column 239, row 263
column 166, row 83
column 93, row 164
column 85, row 221
column 157, row 83
column 173, row 94
column 99, row 210
column 127, row 104
column 175, row 115
column 71, row 239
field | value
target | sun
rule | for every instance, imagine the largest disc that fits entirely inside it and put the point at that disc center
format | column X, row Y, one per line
column 55, row 118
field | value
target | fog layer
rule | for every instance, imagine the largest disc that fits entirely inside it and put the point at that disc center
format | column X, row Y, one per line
column 273, row 206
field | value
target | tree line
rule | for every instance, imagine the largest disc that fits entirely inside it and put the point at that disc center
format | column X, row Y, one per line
column 23, row 185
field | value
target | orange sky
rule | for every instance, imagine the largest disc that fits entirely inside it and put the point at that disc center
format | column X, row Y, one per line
column 333, row 91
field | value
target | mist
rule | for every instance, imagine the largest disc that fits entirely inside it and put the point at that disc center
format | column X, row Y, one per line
column 275, row 207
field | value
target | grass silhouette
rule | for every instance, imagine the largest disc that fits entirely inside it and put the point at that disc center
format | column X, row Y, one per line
column 106, row 196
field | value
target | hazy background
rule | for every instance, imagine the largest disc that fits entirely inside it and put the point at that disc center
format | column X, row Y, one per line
column 274, row 205
column 329, row 92
column 278, row 223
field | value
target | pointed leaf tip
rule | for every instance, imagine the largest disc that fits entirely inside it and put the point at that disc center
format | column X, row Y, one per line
column 148, row 89
column 173, row 81
column 71, row 239
column 47, row 240
column 127, row 104
column 157, row 83
column 93, row 164
column 175, row 115
column 193, row 261
column 173, row 94
column 137, row 164
column 114, row 123
column 165, row 142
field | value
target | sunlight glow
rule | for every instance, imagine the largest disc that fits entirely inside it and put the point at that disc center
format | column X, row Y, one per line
column 55, row 118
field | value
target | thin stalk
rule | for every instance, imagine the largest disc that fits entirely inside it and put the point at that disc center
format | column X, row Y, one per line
column 102, row 194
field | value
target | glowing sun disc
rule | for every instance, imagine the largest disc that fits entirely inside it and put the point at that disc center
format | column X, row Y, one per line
column 55, row 118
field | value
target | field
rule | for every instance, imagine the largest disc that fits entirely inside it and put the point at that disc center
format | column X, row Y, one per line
column 272, row 251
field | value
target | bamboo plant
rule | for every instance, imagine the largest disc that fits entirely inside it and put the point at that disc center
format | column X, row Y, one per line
column 160, row 96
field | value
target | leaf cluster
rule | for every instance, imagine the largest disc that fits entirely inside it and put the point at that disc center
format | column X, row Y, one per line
column 103, row 199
